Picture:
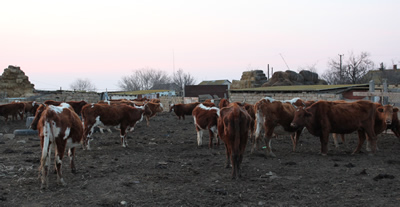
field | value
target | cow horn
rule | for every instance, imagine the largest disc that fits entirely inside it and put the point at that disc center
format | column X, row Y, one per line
column 304, row 104
column 244, row 100
column 294, row 106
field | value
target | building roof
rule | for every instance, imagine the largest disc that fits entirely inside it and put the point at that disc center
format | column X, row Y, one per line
column 166, row 86
column 130, row 93
column 214, row 82
column 302, row 88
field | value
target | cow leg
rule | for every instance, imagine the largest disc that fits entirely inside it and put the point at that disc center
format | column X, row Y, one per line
column 361, row 139
column 235, row 167
column 148, row 120
column 213, row 134
column 228, row 156
column 59, row 154
column 267, row 139
column 199, row 136
column 324, row 138
column 88, row 131
column 44, row 167
column 372, row 140
column 123, row 136
column 71, row 155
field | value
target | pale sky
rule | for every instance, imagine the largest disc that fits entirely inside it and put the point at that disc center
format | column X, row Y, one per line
column 56, row 42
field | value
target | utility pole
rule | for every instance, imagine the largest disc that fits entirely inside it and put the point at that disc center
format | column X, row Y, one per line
column 340, row 67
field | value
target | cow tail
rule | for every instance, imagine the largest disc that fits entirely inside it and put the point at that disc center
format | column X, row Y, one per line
column 46, row 142
column 236, row 124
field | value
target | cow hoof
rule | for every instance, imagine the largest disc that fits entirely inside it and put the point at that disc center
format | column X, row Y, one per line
column 324, row 154
column 271, row 154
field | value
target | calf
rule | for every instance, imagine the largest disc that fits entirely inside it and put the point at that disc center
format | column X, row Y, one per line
column 206, row 118
column 110, row 115
column 183, row 109
column 59, row 126
column 233, row 128
column 13, row 109
column 271, row 114
column 154, row 108
column 323, row 117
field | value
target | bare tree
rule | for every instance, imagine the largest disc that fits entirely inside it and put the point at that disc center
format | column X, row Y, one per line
column 352, row 72
column 181, row 79
column 143, row 79
column 83, row 85
column 311, row 68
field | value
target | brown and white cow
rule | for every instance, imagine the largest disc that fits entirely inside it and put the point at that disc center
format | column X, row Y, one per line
column 13, row 109
column 76, row 105
column 233, row 128
column 206, row 118
column 271, row 114
column 59, row 126
column 122, row 115
column 154, row 108
column 183, row 109
column 324, row 117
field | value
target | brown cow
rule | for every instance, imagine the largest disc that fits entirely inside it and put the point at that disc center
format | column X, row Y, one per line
column 183, row 109
column 271, row 114
column 110, row 115
column 76, row 105
column 13, row 109
column 233, row 125
column 324, row 117
column 61, row 126
column 206, row 118
column 154, row 108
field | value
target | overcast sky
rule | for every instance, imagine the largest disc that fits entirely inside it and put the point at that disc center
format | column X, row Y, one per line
column 56, row 42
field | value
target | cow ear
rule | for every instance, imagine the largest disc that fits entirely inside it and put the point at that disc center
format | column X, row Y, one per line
column 307, row 113
column 395, row 109
column 380, row 109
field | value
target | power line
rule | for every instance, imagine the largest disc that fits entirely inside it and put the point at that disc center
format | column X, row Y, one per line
column 284, row 61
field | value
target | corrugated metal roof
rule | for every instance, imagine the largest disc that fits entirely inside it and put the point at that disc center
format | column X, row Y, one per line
column 301, row 88
column 136, row 92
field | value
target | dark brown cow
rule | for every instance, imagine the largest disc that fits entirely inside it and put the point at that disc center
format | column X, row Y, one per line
column 271, row 114
column 110, row 115
column 13, row 109
column 183, row 109
column 205, row 118
column 324, row 117
column 76, row 105
column 61, row 126
column 31, row 107
column 233, row 128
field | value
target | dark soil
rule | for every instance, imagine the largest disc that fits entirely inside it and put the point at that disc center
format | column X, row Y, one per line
column 163, row 166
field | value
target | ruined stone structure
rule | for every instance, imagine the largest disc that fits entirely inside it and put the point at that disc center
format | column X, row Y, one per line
column 250, row 79
column 14, row 83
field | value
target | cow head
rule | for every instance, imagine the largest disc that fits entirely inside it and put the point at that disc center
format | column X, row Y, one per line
column 300, row 116
column 38, row 114
column 386, row 113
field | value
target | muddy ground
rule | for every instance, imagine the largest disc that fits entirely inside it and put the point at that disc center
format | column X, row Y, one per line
column 163, row 166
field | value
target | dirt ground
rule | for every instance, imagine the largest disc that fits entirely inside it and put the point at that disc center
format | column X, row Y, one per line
column 163, row 166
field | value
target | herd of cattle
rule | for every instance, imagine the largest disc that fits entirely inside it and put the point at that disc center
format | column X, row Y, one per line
column 234, row 123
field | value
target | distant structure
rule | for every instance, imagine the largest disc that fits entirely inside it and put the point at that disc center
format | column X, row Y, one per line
column 250, row 79
column 391, row 75
column 287, row 78
column 216, row 82
column 14, row 83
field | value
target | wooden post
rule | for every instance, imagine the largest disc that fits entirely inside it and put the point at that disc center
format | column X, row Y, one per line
column 372, row 88
column 385, row 89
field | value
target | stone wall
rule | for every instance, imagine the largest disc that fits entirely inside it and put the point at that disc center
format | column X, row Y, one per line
column 90, row 97
column 252, row 98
